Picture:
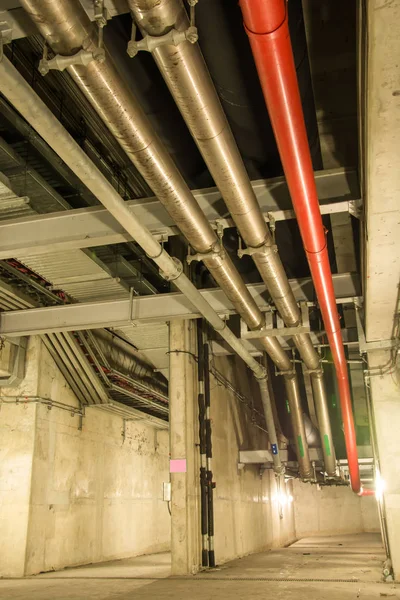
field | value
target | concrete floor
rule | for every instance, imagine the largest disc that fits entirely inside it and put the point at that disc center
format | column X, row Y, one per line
column 328, row 568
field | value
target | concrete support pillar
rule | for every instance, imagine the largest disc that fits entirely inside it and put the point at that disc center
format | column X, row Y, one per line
column 185, row 542
column 385, row 390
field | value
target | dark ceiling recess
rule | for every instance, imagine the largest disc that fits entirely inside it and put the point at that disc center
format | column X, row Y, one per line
column 226, row 50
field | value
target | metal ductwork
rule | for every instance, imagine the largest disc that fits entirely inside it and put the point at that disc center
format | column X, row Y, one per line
column 266, row 23
column 66, row 27
column 188, row 79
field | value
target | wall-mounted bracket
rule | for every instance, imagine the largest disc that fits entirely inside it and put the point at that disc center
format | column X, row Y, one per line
column 356, row 208
column 365, row 346
column 17, row 354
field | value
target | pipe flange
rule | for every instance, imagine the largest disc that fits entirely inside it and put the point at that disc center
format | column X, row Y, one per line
column 173, row 276
column 264, row 250
column 216, row 250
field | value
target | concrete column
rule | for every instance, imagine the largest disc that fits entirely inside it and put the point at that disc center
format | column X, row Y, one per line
column 385, row 392
column 185, row 541
column 17, row 447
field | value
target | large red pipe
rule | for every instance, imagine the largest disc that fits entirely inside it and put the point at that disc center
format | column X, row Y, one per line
column 266, row 23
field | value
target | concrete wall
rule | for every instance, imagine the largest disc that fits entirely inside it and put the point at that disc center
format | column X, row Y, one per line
column 70, row 497
column 247, row 503
column 17, row 436
column 332, row 511
column 17, row 433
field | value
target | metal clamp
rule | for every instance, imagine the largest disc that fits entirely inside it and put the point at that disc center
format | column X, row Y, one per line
column 100, row 17
column 5, row 36
column 319, row 371
column 84, row 56
column 149, row 43
column 100, row 13
column 59, row 62
column 251, row 250
column 285, row 373
column 216, row 250
column 178, row 271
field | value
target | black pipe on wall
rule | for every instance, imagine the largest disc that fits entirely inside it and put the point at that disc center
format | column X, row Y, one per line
column 210, row 482
column 204, row 510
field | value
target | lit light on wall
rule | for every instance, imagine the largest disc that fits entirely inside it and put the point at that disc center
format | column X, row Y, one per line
column 282, row 499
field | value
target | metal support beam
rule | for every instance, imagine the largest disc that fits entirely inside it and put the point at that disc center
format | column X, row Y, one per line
column 365, row 346
column 159, row 307
column 338, row 191
column 281, row 331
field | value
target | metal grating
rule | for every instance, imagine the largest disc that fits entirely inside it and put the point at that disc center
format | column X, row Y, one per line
column 23, row 178
column 79, row 274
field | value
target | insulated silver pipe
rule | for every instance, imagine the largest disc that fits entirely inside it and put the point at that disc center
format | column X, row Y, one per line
column 14, row 87
column 66, row 29
column 188, row 79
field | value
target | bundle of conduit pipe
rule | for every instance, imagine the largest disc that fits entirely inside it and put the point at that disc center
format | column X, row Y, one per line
column 67, row 29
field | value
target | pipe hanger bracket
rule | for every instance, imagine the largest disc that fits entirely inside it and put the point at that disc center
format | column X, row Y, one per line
column 59, row 62
column 216, row 250
column 265, row 249
column 149, row 43
column 5, row 36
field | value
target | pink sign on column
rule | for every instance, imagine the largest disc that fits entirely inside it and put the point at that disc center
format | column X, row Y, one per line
column 177, row 465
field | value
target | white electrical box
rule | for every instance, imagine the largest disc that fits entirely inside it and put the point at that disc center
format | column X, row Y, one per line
column 167, row 491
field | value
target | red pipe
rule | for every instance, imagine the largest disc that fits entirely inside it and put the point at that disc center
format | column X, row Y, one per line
column 266, row 23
